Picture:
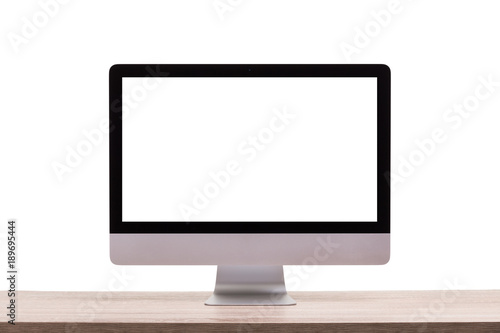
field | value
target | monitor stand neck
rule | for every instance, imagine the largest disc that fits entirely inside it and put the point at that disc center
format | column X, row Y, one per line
column 250, row 285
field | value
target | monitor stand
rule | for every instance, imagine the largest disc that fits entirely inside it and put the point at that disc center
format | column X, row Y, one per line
column 250, row 285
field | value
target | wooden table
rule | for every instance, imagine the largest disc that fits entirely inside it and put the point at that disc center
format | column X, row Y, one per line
column 356, row 311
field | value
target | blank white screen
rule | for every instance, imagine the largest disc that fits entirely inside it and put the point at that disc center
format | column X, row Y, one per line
column 319, row 165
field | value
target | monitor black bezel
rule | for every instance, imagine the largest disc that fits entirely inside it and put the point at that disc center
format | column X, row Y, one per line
column 381, row 72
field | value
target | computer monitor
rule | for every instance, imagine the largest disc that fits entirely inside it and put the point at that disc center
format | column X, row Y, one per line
column 249, row 167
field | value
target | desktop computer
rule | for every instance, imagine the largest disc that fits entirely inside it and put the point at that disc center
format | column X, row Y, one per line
column 249, row 167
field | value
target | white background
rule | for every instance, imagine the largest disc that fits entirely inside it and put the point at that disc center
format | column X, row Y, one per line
column 445, row 216
column 314, row 159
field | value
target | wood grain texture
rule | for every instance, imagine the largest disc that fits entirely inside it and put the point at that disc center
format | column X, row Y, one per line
column 358, row 311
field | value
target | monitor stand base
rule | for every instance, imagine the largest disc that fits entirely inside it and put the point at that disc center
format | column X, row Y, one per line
column 250, row 285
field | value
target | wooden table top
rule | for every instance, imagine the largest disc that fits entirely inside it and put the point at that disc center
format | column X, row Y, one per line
column 353, row 311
